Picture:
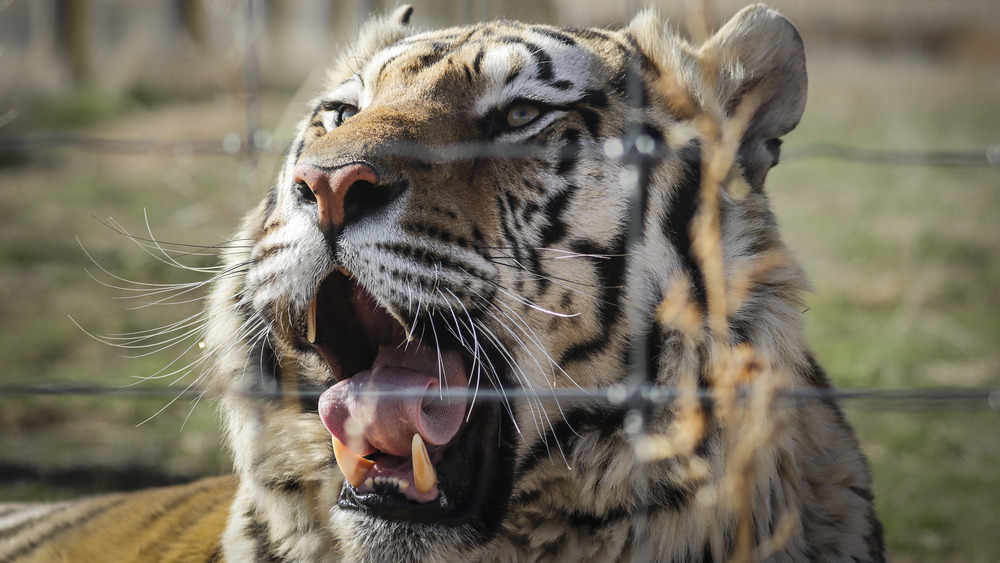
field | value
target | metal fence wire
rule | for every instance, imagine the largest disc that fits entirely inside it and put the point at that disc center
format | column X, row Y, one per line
column 636, row 395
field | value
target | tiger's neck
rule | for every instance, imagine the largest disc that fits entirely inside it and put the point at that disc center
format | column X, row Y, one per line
column 277, row 523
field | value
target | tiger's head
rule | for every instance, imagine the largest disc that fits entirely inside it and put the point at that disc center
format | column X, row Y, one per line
column 467, row 222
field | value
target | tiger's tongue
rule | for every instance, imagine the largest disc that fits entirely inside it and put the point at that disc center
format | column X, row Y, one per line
column 382, row 408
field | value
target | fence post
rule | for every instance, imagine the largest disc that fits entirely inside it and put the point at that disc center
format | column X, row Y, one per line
column 73, row 37
column 192, row 19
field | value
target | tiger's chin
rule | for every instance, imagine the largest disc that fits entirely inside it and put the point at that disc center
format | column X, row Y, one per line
column 418, row 457
column 369, row 539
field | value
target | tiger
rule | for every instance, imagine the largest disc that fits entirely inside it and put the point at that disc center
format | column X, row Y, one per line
column 477, row 318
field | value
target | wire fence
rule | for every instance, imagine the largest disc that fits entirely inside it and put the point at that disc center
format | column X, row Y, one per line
column 256, row 140
column 261, row 141
column 903, row 399
column 633, row 396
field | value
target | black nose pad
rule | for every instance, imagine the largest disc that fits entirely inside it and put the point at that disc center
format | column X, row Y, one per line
column 364, row 199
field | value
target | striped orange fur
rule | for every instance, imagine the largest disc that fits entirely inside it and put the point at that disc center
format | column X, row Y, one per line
column 167, row 525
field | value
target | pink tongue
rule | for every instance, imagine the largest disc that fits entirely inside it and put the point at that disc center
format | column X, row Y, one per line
column 382, row 408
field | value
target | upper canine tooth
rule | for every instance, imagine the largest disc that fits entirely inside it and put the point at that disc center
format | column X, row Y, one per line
column 424, row 475
column 353, row 466
column 311, row 322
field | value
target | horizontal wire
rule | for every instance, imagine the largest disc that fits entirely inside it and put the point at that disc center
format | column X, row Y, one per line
column 969, row 158
column 238, row 145
column 618, row 395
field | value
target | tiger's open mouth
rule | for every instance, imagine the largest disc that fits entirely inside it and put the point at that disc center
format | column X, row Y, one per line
column 409, row 443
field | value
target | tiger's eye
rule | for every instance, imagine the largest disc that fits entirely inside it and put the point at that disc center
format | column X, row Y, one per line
column 522, row 114
column 345, row 112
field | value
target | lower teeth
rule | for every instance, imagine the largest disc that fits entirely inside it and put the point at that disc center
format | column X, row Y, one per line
column 401, row 484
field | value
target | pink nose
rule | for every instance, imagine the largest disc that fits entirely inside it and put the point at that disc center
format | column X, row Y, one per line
column 331, row 186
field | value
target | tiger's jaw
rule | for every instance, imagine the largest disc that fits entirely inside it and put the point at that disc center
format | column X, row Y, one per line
column 410, row 445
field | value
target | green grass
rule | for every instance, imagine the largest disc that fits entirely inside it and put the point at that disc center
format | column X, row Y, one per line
column 905, row 265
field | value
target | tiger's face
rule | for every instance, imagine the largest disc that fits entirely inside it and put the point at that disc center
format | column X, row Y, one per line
column 444, row 249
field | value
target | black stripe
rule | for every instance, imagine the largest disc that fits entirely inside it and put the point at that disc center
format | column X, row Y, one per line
column 706, row 553
column 815, row 375
column 595, row 521
column 267, row 252
column 427, row 60
column 13, row 530
column 62, row 527
column 301, row 146
column 656, row 338
column 507, row 231
column 170, row 505
column 6, row 511
column 543, row 61
column 433, row 258
column 268, row 385
column 595, row 98
column 683, row 206
column 664, row 495
column 260, row 533
column 591, row 120
column 604, row 420
column 158, row 544
column 645, row 63
column 555, row 228
column 739, row 330
column 592, row 34
column 875, row 538
column 569, row 153
column 309, row 392
column 378, row 75
column 478, row 61
column 512, row 77
column 863, row 493
column 610, row 265
column 554, row 34
column 271, row 204
column 283, row 485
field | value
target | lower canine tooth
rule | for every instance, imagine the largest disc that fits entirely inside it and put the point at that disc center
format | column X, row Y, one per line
column 311, row 322
column 424, row 474
column 353, row 466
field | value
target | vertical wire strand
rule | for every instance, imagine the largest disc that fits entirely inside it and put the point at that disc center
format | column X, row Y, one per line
column 637, row 407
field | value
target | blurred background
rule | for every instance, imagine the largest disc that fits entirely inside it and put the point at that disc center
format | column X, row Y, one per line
column 165, row 118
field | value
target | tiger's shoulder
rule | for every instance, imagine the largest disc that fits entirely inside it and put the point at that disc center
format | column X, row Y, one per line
column 182, row 523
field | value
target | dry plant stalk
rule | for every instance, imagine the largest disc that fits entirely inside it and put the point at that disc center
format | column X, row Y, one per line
column 741, row 381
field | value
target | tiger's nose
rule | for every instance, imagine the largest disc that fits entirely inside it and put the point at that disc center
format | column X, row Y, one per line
column 344, row 194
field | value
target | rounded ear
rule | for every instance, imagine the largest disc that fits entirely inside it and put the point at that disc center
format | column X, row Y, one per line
column 759, row 53
column 375, row 34
column 401, row 15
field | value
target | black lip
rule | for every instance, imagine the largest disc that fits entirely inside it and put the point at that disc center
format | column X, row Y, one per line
column 468, row 470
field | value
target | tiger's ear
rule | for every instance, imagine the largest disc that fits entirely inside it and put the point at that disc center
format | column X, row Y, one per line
column 402, row 14
column 758, row 57
column 376, row 34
